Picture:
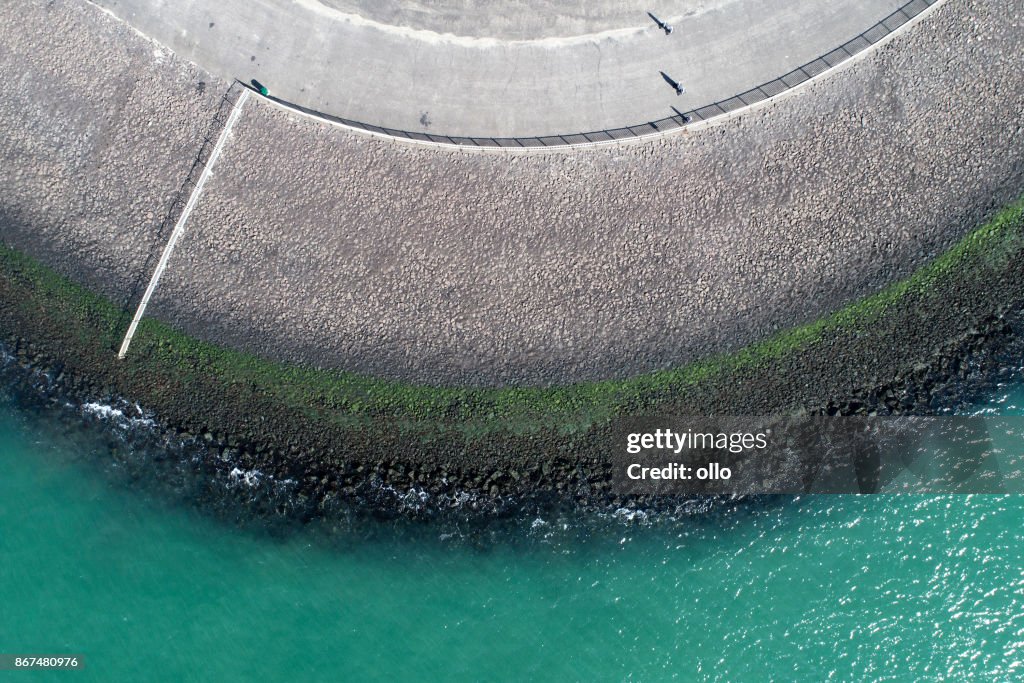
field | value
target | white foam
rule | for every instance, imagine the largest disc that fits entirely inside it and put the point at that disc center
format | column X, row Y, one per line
column 102, row 410
column 248, row 477
column 108, row 412
column 630, row 515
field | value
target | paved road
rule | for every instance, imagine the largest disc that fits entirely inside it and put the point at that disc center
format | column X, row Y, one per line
column 419, row 79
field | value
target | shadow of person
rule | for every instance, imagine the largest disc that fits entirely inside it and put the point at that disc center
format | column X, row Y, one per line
column 674, row 83
column 661, row 24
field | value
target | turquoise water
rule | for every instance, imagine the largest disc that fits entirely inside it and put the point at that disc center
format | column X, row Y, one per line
column 815, row 588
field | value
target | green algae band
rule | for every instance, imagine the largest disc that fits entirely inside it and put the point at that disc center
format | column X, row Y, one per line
column 345, row 418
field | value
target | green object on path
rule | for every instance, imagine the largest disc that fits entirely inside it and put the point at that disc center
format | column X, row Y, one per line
column 264, row 91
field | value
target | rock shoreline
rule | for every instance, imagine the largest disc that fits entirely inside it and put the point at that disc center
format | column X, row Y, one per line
column 256, row 482
column 916, row 350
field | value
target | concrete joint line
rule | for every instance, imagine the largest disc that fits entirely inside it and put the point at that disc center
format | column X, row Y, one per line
column 714, row 120
column 179, row 227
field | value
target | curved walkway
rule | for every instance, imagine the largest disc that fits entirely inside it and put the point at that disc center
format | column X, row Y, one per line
column 800, row 76
column 421, row 81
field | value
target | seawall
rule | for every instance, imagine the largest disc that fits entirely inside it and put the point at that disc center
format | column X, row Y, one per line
column 329, row 283
column 318, row 246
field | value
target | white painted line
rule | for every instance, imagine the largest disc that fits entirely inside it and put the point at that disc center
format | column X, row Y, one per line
column 179, row 227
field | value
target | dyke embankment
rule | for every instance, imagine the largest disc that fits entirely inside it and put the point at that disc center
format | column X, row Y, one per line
column 345, row 310
column 317, row 246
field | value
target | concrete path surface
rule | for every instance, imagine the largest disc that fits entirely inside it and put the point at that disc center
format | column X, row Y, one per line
column 338, row 57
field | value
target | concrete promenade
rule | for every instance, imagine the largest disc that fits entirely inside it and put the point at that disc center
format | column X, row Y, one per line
column 317, row 245
column 415, row 76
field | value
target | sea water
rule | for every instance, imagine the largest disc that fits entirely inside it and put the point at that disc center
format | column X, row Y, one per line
column 814, row 588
